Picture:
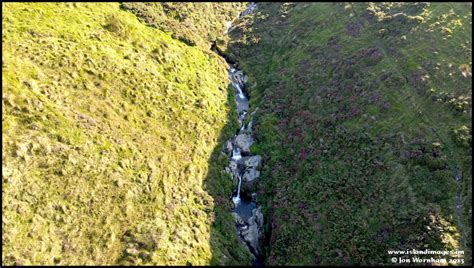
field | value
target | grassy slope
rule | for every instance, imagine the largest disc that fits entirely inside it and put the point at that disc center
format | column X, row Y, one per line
column 363, row 117
column 194, row 23
column 108, row 129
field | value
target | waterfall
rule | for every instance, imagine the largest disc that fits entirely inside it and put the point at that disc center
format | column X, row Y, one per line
column 248, row 216
column 236, row 198
column 236, row 155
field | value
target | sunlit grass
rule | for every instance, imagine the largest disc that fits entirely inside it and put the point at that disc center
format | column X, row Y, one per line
column 108, row 127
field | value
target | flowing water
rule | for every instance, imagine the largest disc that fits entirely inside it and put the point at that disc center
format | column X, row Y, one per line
column 244, row 167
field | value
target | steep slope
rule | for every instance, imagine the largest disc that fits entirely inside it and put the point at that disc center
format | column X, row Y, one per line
column 364, row 122
column 198, row 23
column 110, row 130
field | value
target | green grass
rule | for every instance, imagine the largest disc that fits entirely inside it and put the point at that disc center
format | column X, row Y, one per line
column 364, row 112
column 113, row 117
column 193, row 23
column 110, row 130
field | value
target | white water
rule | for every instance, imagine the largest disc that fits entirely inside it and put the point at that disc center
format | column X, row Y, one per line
column 242, row 103
column 249, row 10
column 236, row 83
column 236, row 155
column 228, row 25
column 235, row 78
column 241, row 94
column 244, row 208
column 236, row 199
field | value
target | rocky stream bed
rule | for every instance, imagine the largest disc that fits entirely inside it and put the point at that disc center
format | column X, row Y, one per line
column 244, row 167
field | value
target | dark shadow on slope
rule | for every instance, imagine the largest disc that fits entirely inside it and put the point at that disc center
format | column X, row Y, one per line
column 225, row 244
column 267, row 60
column 247, row 203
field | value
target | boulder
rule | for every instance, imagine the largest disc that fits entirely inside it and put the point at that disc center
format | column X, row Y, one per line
column 244, row 141
column 257, row 213
column 251, row 235
column 251, row 174
column 238, row 220
column 233, row 165
column 228, row 148
column 254, row 197
column 242, row 106
column 253, row 232
column 253, row 161
column 234, row 170
column 249, row 186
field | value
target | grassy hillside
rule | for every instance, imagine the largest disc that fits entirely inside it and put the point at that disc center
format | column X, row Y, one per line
column 110, row 130
column 193, row 23
column 364, row 122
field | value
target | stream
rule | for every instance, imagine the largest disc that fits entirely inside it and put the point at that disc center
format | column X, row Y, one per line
column 244, row 168
column 243, row 165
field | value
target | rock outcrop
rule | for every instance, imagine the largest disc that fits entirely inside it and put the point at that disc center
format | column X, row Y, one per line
column 244, row 141
column 253, row 231
column 250, row 175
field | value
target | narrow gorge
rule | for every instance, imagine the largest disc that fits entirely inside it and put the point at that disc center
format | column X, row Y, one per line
column 236, row 133
column 243, row 165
